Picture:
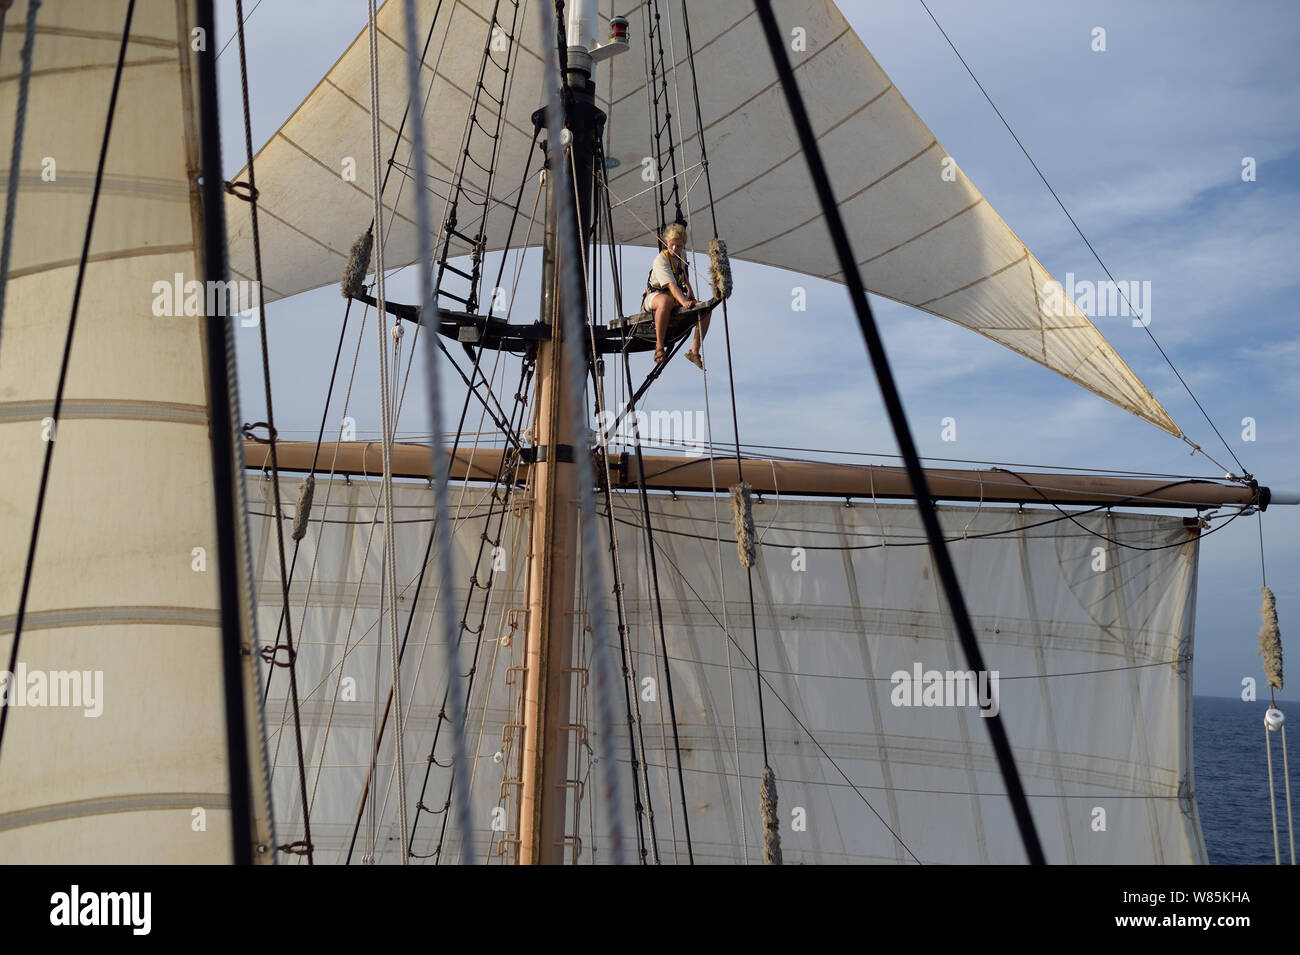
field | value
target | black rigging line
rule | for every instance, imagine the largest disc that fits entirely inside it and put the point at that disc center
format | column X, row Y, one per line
column 659, row 613
column 1110, row 540
column 477, row 241
column 251, row 198
column 504, row 467
column 519, row 198
column 415, row 602
column 232, row 39
column 898, row 421
column 600, row 221
column 227, row 462
column 1145, row 325
column 1065, row 515
column 503, row 421
column 731, row 374
column 789, row 709
column 658, row 71
column 67, row 354
column 15, row 156
column 604, row 205
column 343, row 332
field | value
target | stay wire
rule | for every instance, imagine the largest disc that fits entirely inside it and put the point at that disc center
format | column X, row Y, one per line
column 898, row 421
column 16, row 155
column 629, row 665
column 30, row 565
column 789, row 709
column 1145, row 324
column 604, row 480
column 569, row 243
column 659, row 614
column 731, row 373
column 292, row 664
column 343, row 332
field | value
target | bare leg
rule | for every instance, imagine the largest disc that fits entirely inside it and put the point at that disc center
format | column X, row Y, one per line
column 701, row 329
column 663, row 309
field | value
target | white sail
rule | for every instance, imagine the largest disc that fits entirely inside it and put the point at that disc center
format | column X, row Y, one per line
column 1094, row 682
column 924, row 238
column 344, row 668
column 123, row 758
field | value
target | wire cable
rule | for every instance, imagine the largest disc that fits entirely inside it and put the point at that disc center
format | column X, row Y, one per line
column 898, row 421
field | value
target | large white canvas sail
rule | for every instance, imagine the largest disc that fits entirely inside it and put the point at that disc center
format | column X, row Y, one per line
column 924, row 238
column 124, row 610
column 1094, row 682
column 344, row 668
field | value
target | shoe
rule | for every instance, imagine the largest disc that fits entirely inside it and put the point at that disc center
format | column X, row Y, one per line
column 659, row 355
column 694, row 358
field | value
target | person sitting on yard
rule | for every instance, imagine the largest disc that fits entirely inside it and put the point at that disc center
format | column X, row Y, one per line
column 668, row 287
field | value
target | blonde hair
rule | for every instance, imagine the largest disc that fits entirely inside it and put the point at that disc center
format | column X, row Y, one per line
column 676, row 230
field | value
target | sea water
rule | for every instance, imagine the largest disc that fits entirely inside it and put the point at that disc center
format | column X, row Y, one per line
column 1232, row 779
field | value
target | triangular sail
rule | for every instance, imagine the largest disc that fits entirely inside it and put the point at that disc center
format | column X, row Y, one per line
column 923, row 240
column 116, row 746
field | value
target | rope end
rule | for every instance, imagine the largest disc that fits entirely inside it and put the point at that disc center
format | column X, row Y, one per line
column 1270, row 641
column 354, row 276
column 771, row 825
column 742, row 514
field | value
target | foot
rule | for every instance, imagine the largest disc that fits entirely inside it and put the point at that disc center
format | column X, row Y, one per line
column 659, row 355
column 694, row 358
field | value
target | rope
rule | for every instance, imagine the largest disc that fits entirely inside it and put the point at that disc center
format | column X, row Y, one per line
column 1286, row 785
column 568, row 244
column 243, row 20
column 924, row 541
column 1270, row 641
column 591, row 277
column 1272, row 798
column 251, row 198
column 722, row 583
column 771, row 825
column 898, row 421
column 1096, row 256
column 30, row 565
column 510, row 427
column 16, row 155
column 458, row 786
column 629, row 659
column 386, row 409
column 793, row 715
column 731, row 373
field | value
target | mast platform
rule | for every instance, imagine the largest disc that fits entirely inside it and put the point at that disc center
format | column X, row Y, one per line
column 633, row 333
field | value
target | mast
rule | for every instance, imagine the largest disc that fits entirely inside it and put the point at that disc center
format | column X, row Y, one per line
column 559, row 462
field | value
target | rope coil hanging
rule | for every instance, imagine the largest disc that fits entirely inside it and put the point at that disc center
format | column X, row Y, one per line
column 1270, row 648
column 719, row 268
column 1270, row 641
column 303, row 512
column 771, row 825
column 354, row 276
column 742, row 511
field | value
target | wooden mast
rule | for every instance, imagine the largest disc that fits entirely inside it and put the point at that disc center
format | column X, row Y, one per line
column 559, row 460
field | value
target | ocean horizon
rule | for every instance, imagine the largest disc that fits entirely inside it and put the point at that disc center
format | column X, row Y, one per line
column 1231, row 779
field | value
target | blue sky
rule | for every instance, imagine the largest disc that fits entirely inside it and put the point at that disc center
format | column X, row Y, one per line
column 1144, row 143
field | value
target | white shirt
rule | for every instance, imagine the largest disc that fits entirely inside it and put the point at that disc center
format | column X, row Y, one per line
column 661, row 274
